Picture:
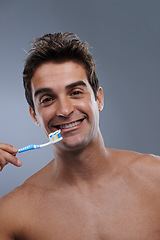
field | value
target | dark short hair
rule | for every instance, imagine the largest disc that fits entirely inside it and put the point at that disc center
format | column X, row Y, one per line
column 58, row 47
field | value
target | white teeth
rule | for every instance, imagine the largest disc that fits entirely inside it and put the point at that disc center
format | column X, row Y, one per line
column 69, row 125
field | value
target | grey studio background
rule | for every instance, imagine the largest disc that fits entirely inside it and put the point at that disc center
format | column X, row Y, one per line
column 124, row 36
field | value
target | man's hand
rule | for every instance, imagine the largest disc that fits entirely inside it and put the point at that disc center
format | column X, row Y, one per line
column 8, row 155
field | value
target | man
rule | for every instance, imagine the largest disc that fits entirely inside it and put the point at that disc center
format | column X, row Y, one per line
column 87, row 191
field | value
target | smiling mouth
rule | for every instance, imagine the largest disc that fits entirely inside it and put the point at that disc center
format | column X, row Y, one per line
column 69, row 125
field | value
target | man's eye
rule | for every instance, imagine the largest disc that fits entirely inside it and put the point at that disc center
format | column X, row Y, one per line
column 76, row 92
column 46, row 100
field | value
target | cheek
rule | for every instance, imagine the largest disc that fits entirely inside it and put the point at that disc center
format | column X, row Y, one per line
column 44, row 116
column 94, row 114
column 93, row 106
column 88, row 103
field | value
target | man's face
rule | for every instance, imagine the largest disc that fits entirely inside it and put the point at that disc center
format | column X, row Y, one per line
column 64, row 99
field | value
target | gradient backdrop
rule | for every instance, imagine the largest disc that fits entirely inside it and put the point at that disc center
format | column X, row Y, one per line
column 124, row 36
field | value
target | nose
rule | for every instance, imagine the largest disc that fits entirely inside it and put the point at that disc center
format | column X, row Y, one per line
column 64, row 107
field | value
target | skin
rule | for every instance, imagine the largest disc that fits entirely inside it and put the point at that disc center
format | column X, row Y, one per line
column 8, row 155
column 87, row 191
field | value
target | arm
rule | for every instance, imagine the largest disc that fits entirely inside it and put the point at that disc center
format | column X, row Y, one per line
column 4, row 220
column 7, row 155
column 11, row 212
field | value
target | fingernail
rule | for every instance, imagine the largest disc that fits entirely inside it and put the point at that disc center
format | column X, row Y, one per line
column 14, row 149
column 19, row 162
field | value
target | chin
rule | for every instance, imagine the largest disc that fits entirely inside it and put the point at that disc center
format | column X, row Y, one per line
column 75, row 144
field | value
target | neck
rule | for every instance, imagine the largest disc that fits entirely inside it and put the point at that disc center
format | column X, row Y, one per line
column 85, row 165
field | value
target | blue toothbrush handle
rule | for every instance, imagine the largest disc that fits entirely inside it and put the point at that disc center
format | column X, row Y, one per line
column 53, row 137
column 27, row 148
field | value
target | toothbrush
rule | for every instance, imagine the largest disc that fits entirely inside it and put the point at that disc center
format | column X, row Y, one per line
column 53, row 137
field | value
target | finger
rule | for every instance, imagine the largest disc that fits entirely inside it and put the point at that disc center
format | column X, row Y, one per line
column 13, row 160
column 8, row 148
column 6, row 158
column 2, row 164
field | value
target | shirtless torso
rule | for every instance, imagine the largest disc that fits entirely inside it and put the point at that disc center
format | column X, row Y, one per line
column 123, row 204
column 87, row 191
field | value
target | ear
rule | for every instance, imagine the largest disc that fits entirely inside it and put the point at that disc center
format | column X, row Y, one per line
column 33, row 116
column 100, row 99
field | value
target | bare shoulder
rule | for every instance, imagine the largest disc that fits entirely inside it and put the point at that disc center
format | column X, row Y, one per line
column 17, row 207
column 12, row 212
column 148, row 165
column 145, row 163
column 144, row 168
column 129, row 157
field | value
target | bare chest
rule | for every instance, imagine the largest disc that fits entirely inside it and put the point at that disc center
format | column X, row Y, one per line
column 116, row 216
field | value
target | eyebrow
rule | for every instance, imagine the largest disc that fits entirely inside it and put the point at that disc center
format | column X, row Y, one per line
column 42, row 90
column 68, row 87
column 75, row 84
